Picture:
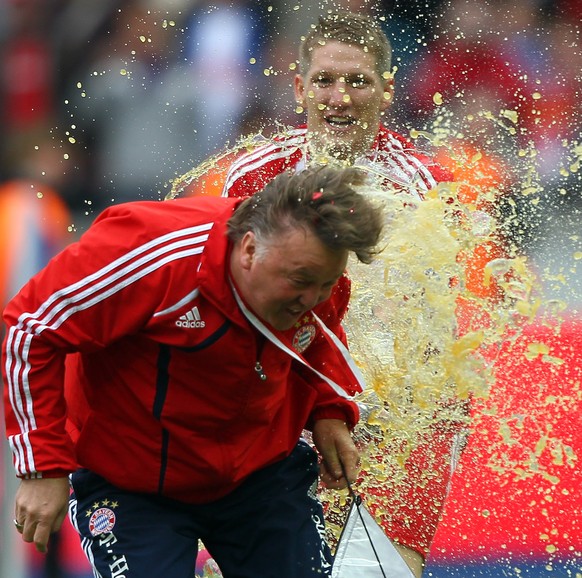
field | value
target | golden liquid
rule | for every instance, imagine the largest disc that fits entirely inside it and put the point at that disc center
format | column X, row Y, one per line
column 422, row 371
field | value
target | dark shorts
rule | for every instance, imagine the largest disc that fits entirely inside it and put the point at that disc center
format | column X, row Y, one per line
column 269, row 527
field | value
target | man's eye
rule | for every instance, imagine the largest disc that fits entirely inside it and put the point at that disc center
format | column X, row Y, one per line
column 358, row 81
column 322, row 81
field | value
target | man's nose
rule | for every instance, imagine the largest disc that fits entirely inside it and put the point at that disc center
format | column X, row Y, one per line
column 309, row 298
column 338, row 95
column 313, row 297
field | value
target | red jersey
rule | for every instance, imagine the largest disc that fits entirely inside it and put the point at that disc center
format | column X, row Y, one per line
column 401, row 164
column 171, row 385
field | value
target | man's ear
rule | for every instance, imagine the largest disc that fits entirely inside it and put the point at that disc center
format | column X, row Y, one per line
column 248, row 249
column 299, row 87
column 388, row 94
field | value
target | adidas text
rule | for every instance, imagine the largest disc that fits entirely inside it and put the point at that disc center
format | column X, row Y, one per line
column 191, row 319
column 184, row 323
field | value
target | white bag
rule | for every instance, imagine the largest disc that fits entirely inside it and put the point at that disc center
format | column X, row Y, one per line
column 365, row 551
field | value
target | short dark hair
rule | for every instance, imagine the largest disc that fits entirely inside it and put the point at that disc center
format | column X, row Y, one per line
column 321, row 199
column 350, row 28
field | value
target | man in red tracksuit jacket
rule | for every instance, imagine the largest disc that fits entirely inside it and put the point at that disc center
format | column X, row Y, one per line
column 169, row 362
column 345, row 86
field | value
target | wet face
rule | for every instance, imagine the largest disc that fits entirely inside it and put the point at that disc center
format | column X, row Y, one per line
column 288, row 277
column 344, row 97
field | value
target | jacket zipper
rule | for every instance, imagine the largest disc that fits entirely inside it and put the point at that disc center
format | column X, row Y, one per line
column 258, row 367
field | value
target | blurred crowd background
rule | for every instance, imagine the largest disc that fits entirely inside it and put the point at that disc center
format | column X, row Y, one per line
column 106, row 101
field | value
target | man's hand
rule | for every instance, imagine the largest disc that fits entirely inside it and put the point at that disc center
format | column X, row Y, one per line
column 340, row 463
column 40, row 508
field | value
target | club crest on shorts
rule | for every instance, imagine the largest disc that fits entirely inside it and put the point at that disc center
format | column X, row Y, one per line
column 303, row 337
column 102, row 518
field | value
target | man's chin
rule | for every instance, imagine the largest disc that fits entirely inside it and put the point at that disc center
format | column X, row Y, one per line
column 339, row 146
column 335, row 148
column 283, row 324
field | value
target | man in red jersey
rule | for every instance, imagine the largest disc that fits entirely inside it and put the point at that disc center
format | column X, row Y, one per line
column 166, row 365
column 345, row 85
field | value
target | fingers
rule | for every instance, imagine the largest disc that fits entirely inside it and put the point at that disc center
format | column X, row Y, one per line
column 331, row 467
column 350, row 461
column 37, row 531
column 340, row 458
column 40, row 508
column 344, row 473
column 330, row 481
column 27, row 528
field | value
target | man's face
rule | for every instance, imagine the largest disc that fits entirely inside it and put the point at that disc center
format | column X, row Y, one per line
column 287, row 278
column 344, row 97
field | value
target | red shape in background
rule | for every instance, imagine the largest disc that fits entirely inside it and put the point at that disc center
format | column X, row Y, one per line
column 525, row 516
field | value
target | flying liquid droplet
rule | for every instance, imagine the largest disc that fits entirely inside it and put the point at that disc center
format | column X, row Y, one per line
column 511, row 115
column 535, row 349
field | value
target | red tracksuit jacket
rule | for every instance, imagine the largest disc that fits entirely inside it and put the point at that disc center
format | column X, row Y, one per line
column 401, row 164
column 161, row 391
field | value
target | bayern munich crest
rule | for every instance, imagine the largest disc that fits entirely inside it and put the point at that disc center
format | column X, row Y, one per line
column 102, row 521
column 303, row 337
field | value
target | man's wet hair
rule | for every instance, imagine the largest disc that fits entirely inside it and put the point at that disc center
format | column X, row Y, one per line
column 324, row 200
column 350, row 28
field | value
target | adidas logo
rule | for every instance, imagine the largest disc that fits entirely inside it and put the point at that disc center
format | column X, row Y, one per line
column 191, row 319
